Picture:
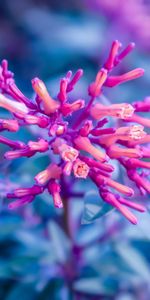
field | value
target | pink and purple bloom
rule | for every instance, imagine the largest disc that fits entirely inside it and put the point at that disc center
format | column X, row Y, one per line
column 82, row 147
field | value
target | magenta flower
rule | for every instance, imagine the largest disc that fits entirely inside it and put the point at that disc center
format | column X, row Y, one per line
column 83, row 146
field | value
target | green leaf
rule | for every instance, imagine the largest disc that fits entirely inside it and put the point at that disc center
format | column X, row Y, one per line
column 23, row 292
column 92, row 286
column 94, row 207
column 133, row 260
column 60, row 242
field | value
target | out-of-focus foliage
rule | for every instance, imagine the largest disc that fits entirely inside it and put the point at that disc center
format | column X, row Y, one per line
column 46, row 253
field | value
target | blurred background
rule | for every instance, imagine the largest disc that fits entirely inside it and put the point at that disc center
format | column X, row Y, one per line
column 47, row 254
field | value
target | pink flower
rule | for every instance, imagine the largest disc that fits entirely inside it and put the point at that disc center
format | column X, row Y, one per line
column 10, row 125
column 57, row 129
column 54, row 190
column 116, row 80
column 56, row 144
column 96, row 86
column 83, row 143
column 13, row 106
column 50, row 106
column 81, row 148
column 68, row 153
column 80, row 169
column 68, row 108
column 121, row 111
column 52, row 172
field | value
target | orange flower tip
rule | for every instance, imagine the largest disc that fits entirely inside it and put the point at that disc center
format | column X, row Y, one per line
column 13, row 106
column 83, row 143
column 55, row 171
column 36, row 82
column 80, row 71
column 128, row 215
column 87, row 127
column 113, row 81
column 138, row 72
column 132, row 44
column 143, row 209
column 137, row 132
column 126, row 111
column 38, row 86
column 57, row 129
column 141, row 72
column 50, row 105
column 117, row 43
column 58, row 204
column 10, row 206
column 68, row 153
column 80, row 169
column 122, row 111
column 41, row 145
column 112, row 55
column 55, row 146
column 133, row 220
column 52, row 172
column 77, row 76
column 67, row 168
column 130, row 192
column 41, row 177
column 68, row 109
column 95, row 87
column 103, row 71
column 10, row 125
column 69, row 74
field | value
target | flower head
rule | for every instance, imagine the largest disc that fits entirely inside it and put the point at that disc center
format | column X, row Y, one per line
column 81, row 148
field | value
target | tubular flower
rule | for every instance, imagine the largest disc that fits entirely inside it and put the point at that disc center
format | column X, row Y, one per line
column 83, row 148
column 80, row 169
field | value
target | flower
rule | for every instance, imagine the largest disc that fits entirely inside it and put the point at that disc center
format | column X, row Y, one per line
column 121, row 111
column 81, row 147
column 68, row 153
column 80, row 169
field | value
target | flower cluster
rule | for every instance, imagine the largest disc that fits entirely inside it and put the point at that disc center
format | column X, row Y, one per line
column 84, row 146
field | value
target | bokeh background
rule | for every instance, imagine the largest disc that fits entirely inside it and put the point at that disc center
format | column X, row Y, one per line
column 46, row 254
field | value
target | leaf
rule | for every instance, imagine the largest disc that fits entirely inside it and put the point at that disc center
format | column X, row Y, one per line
column 126, row 296
column 94, row 207
column 23, row 292
column 92, row 286
column 132, row 259
column 30, row 240
column 60, row 242
column 90, row 236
